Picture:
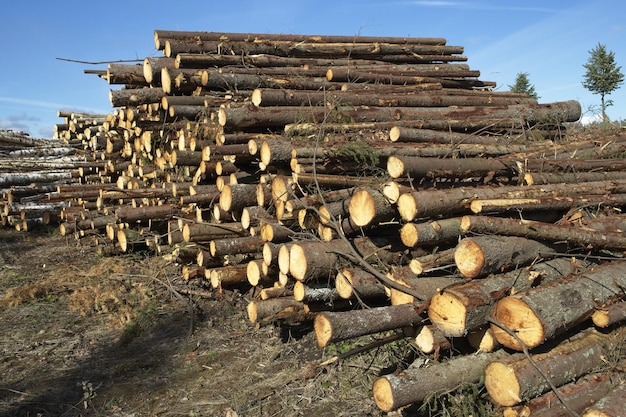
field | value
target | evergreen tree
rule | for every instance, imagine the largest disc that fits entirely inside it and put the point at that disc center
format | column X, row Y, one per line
column 603, row 76
column 523, row 85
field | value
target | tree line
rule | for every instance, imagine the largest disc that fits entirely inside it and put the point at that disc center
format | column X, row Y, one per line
column 602, row 76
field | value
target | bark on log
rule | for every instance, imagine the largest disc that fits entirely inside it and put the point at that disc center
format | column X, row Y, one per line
column 426, row 287
column 544, row 204
column 264, row 311
column 205, row 232
column 416, row 167
column 355, row 282
column 428, row 203
column 423, row 264
column 543, row 313
column 234, row 197
column 249, row 116
column 537, row 178
column 416, row 384
column 611, row 405
column 579, row 395
column 430, row 233
column 458, row 309
column 332, row 327
column 239, row 245
column 482, row 255
column 606, row 316
column 316, row 294
column 515, row 379
column 544, row 231
column 312, row 259
column 144, row 213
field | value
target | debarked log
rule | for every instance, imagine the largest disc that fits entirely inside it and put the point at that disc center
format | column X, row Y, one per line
column 332, row 327
column 546, row 311
column 515, row 379
column 416, row 384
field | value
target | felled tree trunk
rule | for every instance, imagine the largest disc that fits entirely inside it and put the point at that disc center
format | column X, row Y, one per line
column 335, row 326
column 461, row 308
column 515, row 379
column 546, row 311
column 416, row 384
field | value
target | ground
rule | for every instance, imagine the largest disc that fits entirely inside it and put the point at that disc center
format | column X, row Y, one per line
column 84, row 334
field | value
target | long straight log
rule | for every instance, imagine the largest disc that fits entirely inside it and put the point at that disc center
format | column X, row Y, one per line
column 161, row 35
column 416, row 384
column 332, row 327
column 544, row 312
column 430, row 233
column 249, row 116
column 515, row 379
column 426, row 203
column 545, row 203
column 416, row 167
column 544, row 231
column 461, row 308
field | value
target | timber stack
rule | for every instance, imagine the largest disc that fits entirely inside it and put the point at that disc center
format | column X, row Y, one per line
column 327, row 173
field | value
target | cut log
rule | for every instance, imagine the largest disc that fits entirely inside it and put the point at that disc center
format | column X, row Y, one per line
column 542, row 313
column 611, row 405
column 544, row 231
column 332, row 327
column 426, row 203
column 458, row 309
column 482, row 255
column 430, row 233
column 416, row 384
column 578, row 396
column 609, row 315
column 424, row 264
column 205, row 232
column 545, row 204
column 272, row 309
column 416, row 167
column 515, row 379
column 369, row 206
column 315, row 294
column 238, row 245
column 355, row 282
column 234, row 197
column 311, row 259
column 426, row 287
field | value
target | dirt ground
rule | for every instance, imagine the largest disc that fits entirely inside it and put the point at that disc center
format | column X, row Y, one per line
column 89, row 335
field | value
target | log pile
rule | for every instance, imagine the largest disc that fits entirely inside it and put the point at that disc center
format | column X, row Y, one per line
column 325, row 173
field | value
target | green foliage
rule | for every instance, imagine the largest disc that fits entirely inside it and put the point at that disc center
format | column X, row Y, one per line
column 523, row 85
column 603, row 75
column 469, row 400
column 359, row 151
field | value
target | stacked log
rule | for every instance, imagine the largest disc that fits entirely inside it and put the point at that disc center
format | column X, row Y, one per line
column 324, row 174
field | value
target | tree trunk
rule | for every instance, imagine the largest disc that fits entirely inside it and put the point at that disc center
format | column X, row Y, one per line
column 283, row 308
column 426, row 203
column 482, row 255
column 355, row 282
column 416, row 167
column 611, row 405
column 544, row 231
column 430, row 233
column 417, row 384
column 542, row 313
column 460, row 308
column 515, row 379
column 332, row 327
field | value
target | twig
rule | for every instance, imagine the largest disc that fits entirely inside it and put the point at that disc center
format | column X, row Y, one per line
column 365, row 348
column 98, row 62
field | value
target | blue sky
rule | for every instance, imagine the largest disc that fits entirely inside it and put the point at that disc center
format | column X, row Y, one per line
column 549, row 40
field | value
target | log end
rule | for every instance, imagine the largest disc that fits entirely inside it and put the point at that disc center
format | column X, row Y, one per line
column 520, row 318
column 448, row 313
column 469, row 258
column 297, row 262
column 362, row 208
column 407, row 207
column 252, row 312
column 256, row 97
column 226, row 198
column 382, row 391
column 409, row 235
column 323, row 330
column 395, row 166
column 394, row 134
column 283, row 259
column 600, row 318
column 502, row 384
